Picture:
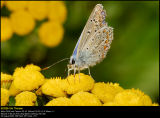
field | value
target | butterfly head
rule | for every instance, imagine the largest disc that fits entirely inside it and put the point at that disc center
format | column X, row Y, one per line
column 71, row 64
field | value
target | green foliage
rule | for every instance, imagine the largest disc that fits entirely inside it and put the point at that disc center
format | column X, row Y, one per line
column 11, row 101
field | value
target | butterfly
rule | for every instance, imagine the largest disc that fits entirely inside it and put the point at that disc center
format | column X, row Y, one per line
column 93, row 43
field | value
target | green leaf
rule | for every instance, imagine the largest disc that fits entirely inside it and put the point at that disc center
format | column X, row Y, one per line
column 12, row 101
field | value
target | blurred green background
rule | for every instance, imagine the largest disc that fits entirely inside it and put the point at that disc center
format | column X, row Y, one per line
column 133, row 60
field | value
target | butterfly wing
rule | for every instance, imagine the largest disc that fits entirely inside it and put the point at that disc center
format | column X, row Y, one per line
column 97, row 16
column 99, row 47
column 98, row 42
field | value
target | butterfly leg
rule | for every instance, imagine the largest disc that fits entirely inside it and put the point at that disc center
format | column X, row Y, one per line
column 74, row 73
column 69, row 71
column 68, row 74
column 89, row 72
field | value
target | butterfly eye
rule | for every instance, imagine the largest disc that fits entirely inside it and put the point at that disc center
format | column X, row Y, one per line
column 73, row 61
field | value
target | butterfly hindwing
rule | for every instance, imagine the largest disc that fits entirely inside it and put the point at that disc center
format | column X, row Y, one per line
column 95, row 50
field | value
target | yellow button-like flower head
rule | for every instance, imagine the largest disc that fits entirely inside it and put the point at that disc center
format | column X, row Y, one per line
column 57, row 11
column 6, row 29
column 51, row 33
column 16, row 5
column 32, row 67
column 25, row 79
column 53, row 87
column 106, row 91
column 6, row 80
column 80, row 82
column 132, row 97
column 25, row 98
column 85, row 99
column 22, row 22
column 4, row 96
column 38, row 9
column 155, row 104
column 13, row 91
column 61, row 101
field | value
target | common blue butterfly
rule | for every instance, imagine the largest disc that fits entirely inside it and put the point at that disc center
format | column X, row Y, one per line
column 94, row 42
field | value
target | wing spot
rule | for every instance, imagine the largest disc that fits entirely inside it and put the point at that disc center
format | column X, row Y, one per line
column 104, row 31
column 106, row 41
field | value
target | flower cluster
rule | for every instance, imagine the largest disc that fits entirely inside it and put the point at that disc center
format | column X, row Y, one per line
column 4, row 96
column 79, row 90
column 28, row 78
column 6, row 80
column 26, row 98
column 25, row 14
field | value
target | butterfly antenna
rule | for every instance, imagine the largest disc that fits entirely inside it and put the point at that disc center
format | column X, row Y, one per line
column 55, row 63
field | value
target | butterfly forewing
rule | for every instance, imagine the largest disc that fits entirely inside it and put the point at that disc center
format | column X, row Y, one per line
column 91, row 26
column 98, row 41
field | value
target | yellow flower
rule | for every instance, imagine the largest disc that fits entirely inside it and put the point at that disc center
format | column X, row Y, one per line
column 61, row 101
column 132, row 97
column 146, row 100
column 4, row 96
column 25, row 79
column 32, row 67
column 57, row 11
column 155, row 104
column 6, row 29
column 51, row 33
column 39, row 90
column 25, row 98
column 53, row 87
column 6, row 77
column 16, row 5
column 106, row 91
column 22, row 22
column 85, row 99
column 6, row 80
column 81, row 82
column 38, row 9
column 13, row 91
